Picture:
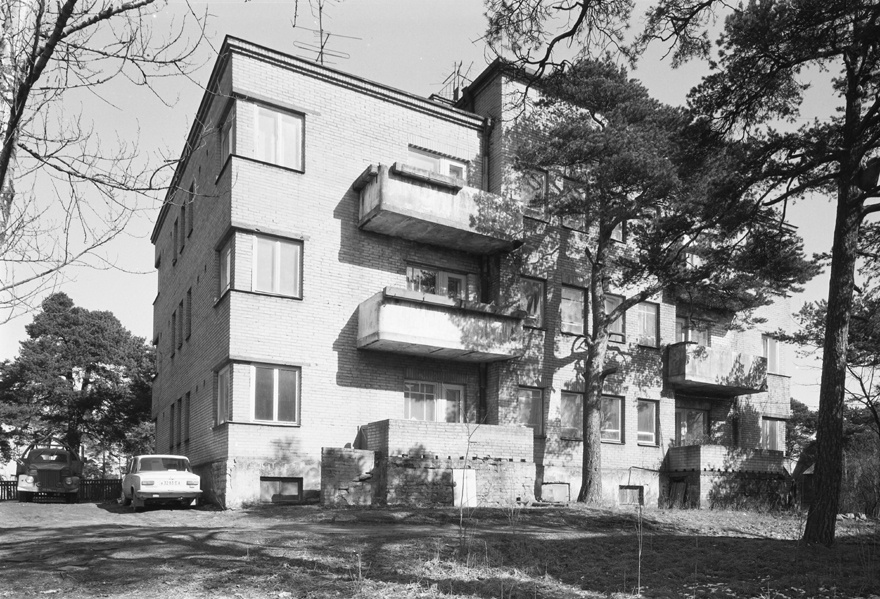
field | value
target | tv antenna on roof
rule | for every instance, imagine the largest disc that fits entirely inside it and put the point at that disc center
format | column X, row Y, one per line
column 455, row 82
column 323, row 37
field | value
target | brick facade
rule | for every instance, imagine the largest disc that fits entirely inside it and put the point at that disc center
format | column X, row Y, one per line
column 226, row 341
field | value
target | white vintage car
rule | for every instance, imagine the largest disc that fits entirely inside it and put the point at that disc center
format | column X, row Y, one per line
column 159, row 479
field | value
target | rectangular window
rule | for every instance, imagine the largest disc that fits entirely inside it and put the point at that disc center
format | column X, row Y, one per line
column 173, row 332
column 186, row 413
column 191, row 201
column 612, row 419
column 648, row 332
column 695, row 331
column 227, row 136
column 574, row 205
column 189, row 312
column 571, row 416
column 572, row 310
column 691, row 426
column 175, row 240
column 275, row 393
column 223, row 392
column 437, row 282
column 532, row 301
column 277, row 266
column 616, row 330
column 182, row 225
column 533, row 193
column 631, row 495
column 772, row 431
column 171, row 429
column 436, row 163
column 180, row 319
column 226, row 266
column 529, row 409
column 647, row 422
column 433, row 402
column 771, row 352
column 179, row 439
column 277, row 489
column 618, row 234
column 278, row 137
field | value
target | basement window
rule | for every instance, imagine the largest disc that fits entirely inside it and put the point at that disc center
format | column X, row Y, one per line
column 280, row 489
column 631, row 495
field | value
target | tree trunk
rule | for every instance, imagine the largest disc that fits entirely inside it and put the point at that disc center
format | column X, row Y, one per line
column 829, row 431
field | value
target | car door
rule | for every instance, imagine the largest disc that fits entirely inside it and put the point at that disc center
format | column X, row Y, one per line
column 127, row 479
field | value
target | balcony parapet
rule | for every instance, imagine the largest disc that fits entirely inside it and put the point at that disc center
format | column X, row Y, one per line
column 720, row 458
column 419, row 205
column 414, row 323
column 715, row 370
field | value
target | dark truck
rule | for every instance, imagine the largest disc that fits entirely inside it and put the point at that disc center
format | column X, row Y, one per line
column 49, row 467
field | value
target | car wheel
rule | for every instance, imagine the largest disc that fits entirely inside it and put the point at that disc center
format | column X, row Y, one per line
column 185, row 503
column 25, row 497
column 137, row 505
column 126, row 500
column 71, row 498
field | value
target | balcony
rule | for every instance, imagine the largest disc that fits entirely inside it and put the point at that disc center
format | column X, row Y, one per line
column 720, row 458
column 409, row 322
column 408, row 202
column 715, row 370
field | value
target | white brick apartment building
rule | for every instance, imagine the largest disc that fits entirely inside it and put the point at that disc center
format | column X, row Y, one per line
column 337, row 268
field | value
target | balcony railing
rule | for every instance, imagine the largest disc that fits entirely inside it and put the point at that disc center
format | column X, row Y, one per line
column 409, row 322
column 715, row 370
column 720, row 458
column 412, row 203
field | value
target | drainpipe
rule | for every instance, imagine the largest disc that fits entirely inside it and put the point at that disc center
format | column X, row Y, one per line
column 488, row 128
column 482, row 405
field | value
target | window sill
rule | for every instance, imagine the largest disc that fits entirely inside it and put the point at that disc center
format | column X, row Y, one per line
column 217, row 300
column 271, row 423
column 573, row 439
column 609, row 442
column 655, row 347
column 270, row 294
column 654, row 445
column 290, row 169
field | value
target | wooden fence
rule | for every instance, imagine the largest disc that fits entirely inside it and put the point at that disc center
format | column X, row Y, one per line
column 90, row 489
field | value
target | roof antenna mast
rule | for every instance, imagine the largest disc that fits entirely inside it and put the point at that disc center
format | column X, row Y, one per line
column 322, row 36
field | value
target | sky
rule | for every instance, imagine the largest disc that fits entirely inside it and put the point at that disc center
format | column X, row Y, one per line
column 412, row 45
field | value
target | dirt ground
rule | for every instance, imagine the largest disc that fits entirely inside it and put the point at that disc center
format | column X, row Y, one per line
column 105, row 550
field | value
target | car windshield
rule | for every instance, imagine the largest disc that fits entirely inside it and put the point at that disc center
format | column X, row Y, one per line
column 157, row 464
column 48, row 455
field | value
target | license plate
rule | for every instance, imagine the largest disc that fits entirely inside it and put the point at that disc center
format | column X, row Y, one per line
column 169, row 483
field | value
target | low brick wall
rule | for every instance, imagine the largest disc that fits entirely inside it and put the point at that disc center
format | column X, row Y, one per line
column 347, row 476
column 358, row 477
column 721, row 458
column 447, row 440
column 474, row 482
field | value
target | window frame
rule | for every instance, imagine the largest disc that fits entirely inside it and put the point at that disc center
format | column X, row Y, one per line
column 680, row 418
column 188, row 306
column 226, row 267
column 180, row 319
column 621, row 439
column 191, row 200
column 276, row 369
column 770, row 351
column 439, row 400
column 564, row 326
column 778, row 427
column 227, row 135
column 441, row 281
column 223, row 399
column 534, row 198
column 173, row 332
column 684, row 332
column 439, row 163
column 277, row 266
column 619, row 233
column 615, row 336
column 576, row 432
column 655, row 432
column 532, row 321
column 279, row 113
column 537, row 427
column 656, row 325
